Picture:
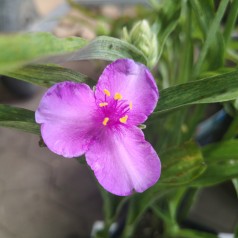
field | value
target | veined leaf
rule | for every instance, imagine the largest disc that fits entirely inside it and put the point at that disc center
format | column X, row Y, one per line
column 181, row 165
column 222, row 163
column 218, row 88
column 18, row 118
column 19, row 49
column 48, row 75
column 104, row 48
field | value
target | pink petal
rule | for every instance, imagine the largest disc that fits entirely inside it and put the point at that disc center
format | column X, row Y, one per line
column 135, row 83
column 66, row 114
column 123, row 161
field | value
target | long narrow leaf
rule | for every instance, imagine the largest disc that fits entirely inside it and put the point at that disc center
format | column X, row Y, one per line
column 102, row 48
column 18, row 118
column 47, row 75
column 19, row 49
column 219, row 88
column 213, row 28
column 222, row 163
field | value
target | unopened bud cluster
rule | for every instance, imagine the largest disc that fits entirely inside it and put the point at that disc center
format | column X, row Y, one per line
column 144, row 39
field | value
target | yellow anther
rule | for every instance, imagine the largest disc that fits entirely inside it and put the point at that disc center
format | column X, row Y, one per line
column 107, row 92
column 103, row 104
column 130, row 105
column 105, row 121
column 117, row 96
column 123, row 119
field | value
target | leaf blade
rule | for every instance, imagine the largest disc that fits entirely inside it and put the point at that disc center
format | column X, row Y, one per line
column 18, row 118
column 219, row 88
column 222, row 163
column 181, row 165
column 20, row 49
column 104, row 48
column 48, row 75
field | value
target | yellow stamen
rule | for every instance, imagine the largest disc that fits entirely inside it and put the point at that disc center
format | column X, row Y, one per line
column 107, row 92
column 117, row 96
column 130, row 105
column 123, row 119
column 103, row 104
column 105, row 121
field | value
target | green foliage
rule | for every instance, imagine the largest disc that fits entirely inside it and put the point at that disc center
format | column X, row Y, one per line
column 110, row 49
column 218, row 88
column 181, row 165
column 18, row 118
column 222, row 163
column 47, row 75
column 212, row 45
column 19, row 49
column 236, row 232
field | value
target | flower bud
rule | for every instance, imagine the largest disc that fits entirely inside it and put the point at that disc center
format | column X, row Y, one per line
column 144, row 39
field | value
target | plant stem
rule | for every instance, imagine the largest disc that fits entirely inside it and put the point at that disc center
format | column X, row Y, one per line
column 232, row 16
column 107, row 210
column 186, row 55
column 210, row 36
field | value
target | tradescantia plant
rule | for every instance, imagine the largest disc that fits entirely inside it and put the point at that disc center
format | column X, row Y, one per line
column 186, row 49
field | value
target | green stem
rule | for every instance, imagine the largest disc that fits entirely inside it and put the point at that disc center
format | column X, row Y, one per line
column 193, row 117
column 119, row 208
column 232, row 16
column 186, row 233
column 130, row 226
column 232, row 130
column 160, row 214
column 139, row 203
column 198, row 14
column 186, row 55
column 107, row 210
column 210, row 36
column 235, row 184
column 186, row 204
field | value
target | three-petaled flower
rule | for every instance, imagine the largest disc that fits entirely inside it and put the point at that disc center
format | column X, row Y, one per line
column 102, row 124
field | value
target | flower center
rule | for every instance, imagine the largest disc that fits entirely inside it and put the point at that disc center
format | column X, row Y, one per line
column 114, row 108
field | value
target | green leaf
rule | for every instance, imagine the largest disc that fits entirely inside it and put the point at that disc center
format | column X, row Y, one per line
column 231, row 20
column 203, row 14
column 19, row 49
column 236, row 232
column 108, row 48
column 181, row 165
column 213, row 29
column 48, row 75
column 163, row 37
column 18, row 118
column 232, row 130
column 189, row 233
column 220, row 88
column 222, row 163
column 235, row 184
column 168, row 15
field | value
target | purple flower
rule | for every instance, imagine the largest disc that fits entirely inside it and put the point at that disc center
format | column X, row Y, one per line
column 102, row 124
